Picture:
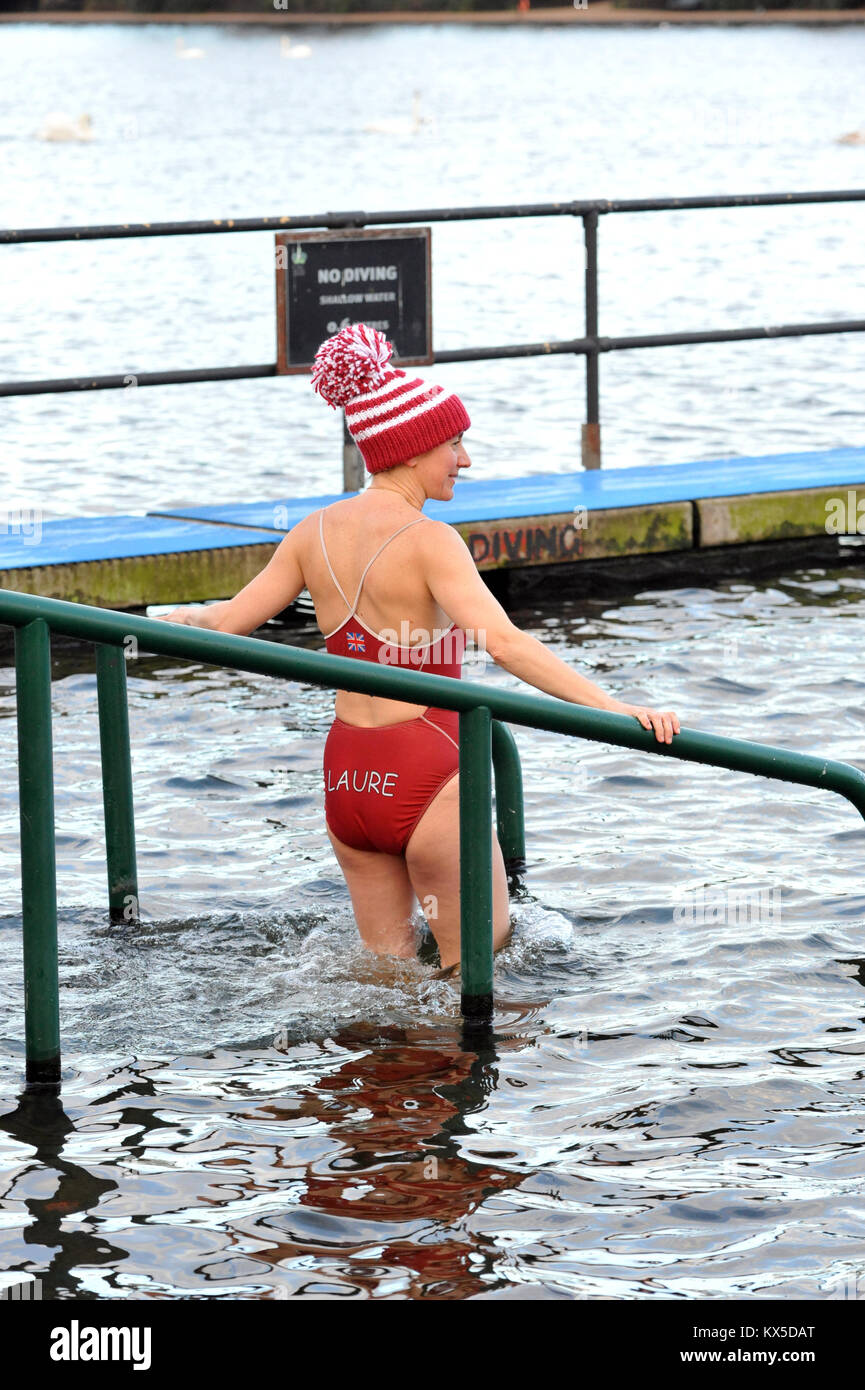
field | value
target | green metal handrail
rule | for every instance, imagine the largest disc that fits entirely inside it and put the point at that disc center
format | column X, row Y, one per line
column 479, row 706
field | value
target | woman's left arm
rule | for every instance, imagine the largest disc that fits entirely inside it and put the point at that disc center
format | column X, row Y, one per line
column 278, row 585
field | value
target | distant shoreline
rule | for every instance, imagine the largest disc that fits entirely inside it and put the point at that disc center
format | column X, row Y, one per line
column 600, row 13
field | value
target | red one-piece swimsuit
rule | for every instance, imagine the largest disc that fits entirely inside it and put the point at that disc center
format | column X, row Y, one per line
column 379, row 781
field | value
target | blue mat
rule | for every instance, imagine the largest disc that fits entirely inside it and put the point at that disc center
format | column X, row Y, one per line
column 544, row 494
column 65, row 542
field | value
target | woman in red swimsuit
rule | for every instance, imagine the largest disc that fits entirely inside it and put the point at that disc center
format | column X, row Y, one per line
column 391, row 769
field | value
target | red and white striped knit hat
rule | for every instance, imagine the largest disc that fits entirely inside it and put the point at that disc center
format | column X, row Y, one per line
column 391, row 416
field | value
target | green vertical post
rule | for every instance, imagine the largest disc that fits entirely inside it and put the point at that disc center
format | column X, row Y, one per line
column 476, row 867
column 510, row 819
column 38, row 862
column 117, row 783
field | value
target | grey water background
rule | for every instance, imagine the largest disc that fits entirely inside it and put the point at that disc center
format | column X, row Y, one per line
column 253, row 1107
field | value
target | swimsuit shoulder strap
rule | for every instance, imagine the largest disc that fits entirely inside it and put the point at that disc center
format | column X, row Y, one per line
column 327, row 558
column 378, row 552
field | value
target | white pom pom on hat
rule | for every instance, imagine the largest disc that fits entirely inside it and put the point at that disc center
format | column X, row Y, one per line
column 391, row 417
column 351, row 362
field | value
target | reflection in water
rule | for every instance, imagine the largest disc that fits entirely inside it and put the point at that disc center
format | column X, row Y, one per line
column 67, row 1189
column 378, row 1209
column 396, row 1109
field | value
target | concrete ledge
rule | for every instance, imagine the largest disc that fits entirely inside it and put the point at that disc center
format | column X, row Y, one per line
column 135, row 581
column 190, row 576
column 767, row 516
column 607, row 534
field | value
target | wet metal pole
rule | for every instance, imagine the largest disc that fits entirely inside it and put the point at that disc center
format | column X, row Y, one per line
column 117, row 783
column 591, row 433
column 476, row 868
column 510, row 819
column 38, row 863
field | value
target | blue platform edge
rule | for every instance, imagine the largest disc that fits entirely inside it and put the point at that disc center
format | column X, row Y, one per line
column 546, row 494
column 163, row 532
column 71, row 540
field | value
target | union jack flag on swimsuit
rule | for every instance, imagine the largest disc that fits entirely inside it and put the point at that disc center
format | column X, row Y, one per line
column 356, row 641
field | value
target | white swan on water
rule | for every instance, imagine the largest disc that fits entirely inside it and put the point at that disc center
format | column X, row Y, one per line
column 58, row 126
column 183, row 52
column 397, row 125
column 853, row 137
column 287, row 49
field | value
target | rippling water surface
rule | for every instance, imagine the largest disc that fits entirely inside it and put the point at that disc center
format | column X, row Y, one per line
column 674, row 1099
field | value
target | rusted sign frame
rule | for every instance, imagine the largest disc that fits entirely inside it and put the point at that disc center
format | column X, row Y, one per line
column 287, row 238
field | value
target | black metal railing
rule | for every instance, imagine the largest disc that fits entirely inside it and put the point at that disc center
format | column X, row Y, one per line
column 590, row 345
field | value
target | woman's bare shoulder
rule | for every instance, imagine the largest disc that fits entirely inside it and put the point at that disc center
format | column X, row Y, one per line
column 441, row 533
column 308, row 525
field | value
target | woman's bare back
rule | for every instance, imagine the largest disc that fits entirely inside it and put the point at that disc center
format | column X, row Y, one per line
column 395, row 597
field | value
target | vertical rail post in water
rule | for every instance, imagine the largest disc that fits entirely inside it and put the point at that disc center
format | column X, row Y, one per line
column 353, row 467
column 510, row 817
column 38, row 862
column 117, row 782
column 592, row 428
column 476, row 867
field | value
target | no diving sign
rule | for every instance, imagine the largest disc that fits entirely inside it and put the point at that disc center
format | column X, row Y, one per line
column 325, row 280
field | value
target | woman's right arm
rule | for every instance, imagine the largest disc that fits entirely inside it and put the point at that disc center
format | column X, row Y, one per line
column 457, row 587
column 272, row 590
